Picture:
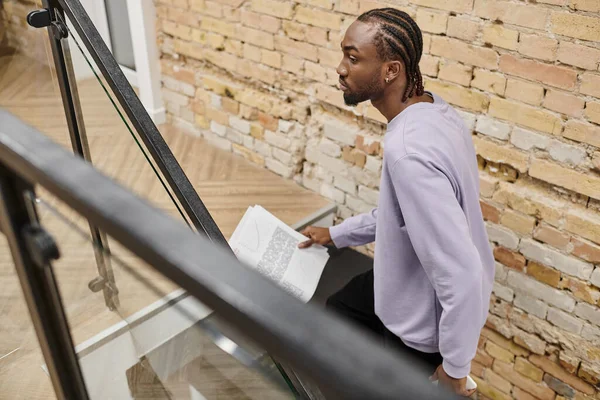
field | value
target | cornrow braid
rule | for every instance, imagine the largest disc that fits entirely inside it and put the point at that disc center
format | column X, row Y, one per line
column 399, row 37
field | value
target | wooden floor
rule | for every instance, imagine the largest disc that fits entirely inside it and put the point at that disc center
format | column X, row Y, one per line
column 226, row 183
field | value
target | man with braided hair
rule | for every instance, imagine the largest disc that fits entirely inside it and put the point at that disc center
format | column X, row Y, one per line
column 428, row 293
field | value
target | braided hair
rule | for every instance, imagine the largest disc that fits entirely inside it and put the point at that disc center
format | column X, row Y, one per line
column 399, row 37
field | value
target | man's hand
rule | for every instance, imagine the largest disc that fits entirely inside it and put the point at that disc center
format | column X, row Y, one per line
column 316, row 236
column 458, row 386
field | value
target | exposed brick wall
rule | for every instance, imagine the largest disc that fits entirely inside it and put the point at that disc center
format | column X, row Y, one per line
column 257, row 77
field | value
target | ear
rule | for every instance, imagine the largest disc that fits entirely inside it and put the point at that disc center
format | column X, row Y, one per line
column 393, row 70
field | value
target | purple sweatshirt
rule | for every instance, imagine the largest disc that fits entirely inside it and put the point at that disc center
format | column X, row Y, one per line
column 433, row 267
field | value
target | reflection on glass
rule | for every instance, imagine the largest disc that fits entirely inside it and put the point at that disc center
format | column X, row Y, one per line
column 120, row 33
column 160, row 340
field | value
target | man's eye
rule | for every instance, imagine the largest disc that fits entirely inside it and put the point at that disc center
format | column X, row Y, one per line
column 353, row 59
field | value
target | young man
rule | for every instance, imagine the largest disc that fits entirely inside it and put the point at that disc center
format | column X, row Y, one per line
column 430, row 287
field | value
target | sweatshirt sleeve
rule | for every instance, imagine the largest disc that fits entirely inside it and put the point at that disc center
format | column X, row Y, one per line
column 440, row 235
column 355, row 231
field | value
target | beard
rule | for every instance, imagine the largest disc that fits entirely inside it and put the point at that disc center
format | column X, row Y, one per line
column 353, row 98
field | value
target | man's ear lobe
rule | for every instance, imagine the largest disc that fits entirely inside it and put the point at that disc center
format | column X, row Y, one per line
column 394, row 69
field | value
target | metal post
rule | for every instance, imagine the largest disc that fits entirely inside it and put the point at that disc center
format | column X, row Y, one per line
column 70, row 98
column 32, row 250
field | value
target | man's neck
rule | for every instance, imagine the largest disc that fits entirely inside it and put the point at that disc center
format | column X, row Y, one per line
column 390, row 107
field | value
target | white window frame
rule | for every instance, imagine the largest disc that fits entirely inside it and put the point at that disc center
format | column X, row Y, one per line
column 146, row 77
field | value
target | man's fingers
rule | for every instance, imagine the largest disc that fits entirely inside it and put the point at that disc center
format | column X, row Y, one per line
column 468, row 393
column 306, row 244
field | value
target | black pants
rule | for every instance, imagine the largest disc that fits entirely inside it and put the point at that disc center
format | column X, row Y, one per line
column 356, row 302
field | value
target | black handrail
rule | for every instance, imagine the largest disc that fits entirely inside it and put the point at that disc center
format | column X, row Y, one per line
column 347, row 363
column 140, row 119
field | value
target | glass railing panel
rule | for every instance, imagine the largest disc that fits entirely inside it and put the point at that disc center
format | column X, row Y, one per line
column 159, row 340
column 28, row 89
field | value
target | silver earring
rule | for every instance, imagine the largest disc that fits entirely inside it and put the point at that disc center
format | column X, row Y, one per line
column 387, row 80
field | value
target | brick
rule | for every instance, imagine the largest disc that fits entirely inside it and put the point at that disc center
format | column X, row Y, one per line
column 500, row 154
column 531, row 305
column 369, row 195
column 498, row 35
column 529, row 341
column 260, row 21
column 489, row 81
column 585, row 250
column 555, row 370
column 582, row 132
column 294, row 30
column 292, row 64
column 459, row 95
column 180, row 31
column 503, row 292
column 330, row 58
column 569, row 363
column 578, row 55
column 448, row 5
column 563, row 103
column 590, row 84
column 520, row 394
column 215, row 25
column 490, row 213
column 340, row 132
column 518, row 222
column 592, row 111
column 552, row 236
column 487, row 186
column 489, row 391
column 586, row 5
column 589, row 373
column 529, row 16
column 588, row 312
column 497, row 381
column 584, row 223
column 575, row 25
column 239, row 124
column 332, row 193
column 477, row 369
column 503, row 342
column 538, row 252
column 510, row 259
column 526, row 92
column 552, row 296
column 455, row 72
column 330, row 95
column 537, row 46
column 323, row 19
column 529, row 370
column 348, row 6
column 531, row 201
column 271, row 58
column 566, row 153
column 544, row 274
column 462, row 28
column 533, row 388
column 256, row 37
column 252, row 53
column 319, row 73
column 581, row 290
column 561, row 77
column 588, row 185
column 367, row 145
column 367, row 5
column 326, row 4
column 431, row 21
column 527, row 140
column 279, row 9
column 294, row 48
column 502, row 236
column 457, row 50
column 317, row 36
column 429, row 65
column 527, row 116
column 500, row 273
column 564, row 321
column 346, row 185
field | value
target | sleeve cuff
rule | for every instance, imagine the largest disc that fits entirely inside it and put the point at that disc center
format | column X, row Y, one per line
column 457, row 372
column 338, row 236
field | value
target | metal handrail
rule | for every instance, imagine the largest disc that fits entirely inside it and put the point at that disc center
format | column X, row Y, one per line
column 347, row 363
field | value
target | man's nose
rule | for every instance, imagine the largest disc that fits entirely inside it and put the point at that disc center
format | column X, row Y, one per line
column 341, row 69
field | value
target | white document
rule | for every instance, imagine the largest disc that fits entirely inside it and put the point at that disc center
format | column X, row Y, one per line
column 269, row 246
